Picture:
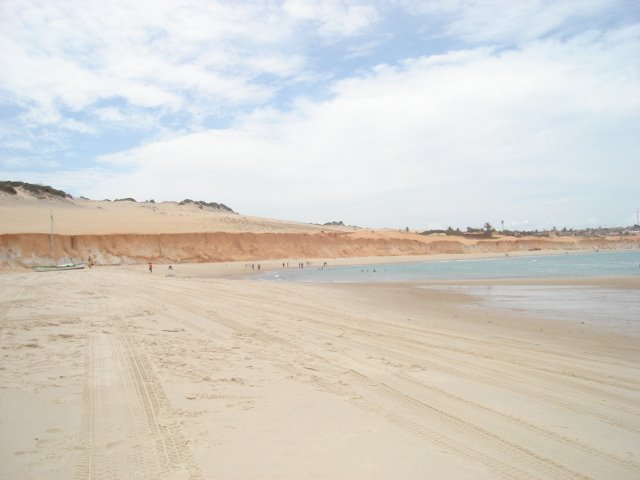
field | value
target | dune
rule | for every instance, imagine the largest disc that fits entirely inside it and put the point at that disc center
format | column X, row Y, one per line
column 127, row 232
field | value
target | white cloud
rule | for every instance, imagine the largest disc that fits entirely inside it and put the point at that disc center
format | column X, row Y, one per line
column 26, row 163
column 124, row 117
column 537, row 110
column 175, row 57
column 337, row 18
column 514, row 22
column 76, row 126
column 70, row 54
column 458, row 136
column 280, row 65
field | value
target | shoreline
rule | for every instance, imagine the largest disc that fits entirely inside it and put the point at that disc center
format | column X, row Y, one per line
column 276, row 264
column 26, row 250
column 242, row 269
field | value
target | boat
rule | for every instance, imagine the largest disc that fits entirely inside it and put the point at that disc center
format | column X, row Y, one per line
column 55, row 268
column 60, row 266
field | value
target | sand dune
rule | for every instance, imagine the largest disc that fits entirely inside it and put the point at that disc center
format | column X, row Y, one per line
column 24, row 250
column 116, row 233
column 28, row 214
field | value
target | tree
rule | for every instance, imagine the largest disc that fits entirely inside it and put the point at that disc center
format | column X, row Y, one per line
column 488, row 228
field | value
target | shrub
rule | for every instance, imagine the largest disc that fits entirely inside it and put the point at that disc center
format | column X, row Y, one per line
column 38, row 190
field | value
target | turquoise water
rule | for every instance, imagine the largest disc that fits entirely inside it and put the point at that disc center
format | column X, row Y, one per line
column 549, row 266
column 612, row 309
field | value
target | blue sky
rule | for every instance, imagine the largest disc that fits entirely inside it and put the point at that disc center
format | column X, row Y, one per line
column 385, row 114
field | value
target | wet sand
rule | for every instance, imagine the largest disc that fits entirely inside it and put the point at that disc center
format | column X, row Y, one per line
column 117, row 373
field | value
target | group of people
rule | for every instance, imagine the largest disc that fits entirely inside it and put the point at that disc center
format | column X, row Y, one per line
column 91, row 262
column 303, row 264
column 151, row 268
column 253, row 265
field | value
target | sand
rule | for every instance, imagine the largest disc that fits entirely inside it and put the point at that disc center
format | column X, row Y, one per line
column 116, row 373
column 27, row 214
column 117, row 233
column 113, row 372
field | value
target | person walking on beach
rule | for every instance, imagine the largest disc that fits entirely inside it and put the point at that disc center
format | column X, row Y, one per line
column 150, row 268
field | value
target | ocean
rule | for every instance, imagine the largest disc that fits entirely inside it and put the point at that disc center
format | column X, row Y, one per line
column 569, row 265
column 612, row 309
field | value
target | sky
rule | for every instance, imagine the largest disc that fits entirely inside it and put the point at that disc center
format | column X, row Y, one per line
column 389, row 113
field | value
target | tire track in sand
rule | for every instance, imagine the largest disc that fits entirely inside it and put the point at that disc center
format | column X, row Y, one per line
column 530, row 464
column 13, row 293
column 127, row 428
column 424, row 418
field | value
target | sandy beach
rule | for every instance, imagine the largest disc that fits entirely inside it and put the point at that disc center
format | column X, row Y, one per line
column 113, row 372
column 335, row 240
column 203, row 372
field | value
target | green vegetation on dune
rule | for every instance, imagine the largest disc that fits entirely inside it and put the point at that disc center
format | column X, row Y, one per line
column 9, row 187
column 44, row 191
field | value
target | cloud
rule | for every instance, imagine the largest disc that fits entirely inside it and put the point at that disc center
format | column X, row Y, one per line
column 335, row 18
column 69, row 66
column 431, row 139
column 512, row 23
column 157, row 54
column 297, row 109
column 26, row 163
column 168, row 56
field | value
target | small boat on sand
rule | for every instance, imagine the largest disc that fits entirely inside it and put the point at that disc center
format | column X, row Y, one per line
column 55, row 268
column 60, row 266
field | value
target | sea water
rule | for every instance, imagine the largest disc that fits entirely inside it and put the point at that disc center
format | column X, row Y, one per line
column 539, row 266
column 614, row 309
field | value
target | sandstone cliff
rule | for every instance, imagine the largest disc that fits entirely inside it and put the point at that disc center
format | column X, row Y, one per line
column 26, row 250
